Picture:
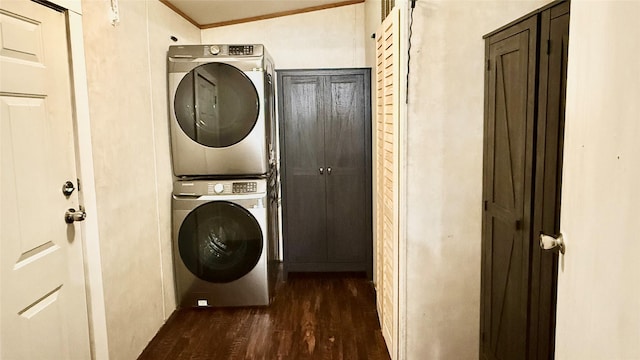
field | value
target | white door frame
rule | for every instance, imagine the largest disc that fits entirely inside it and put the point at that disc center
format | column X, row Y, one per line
column 401, row 354
column 84, row 157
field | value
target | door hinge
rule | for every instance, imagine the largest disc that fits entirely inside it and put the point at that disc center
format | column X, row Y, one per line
column 78, row 180
column 548, row 46
column 488, row 64
column 485, row 205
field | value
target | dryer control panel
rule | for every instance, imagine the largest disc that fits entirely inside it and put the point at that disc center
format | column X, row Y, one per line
column 184, row 52
column 245, row 187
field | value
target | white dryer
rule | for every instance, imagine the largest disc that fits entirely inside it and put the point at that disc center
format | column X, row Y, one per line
column 223, row 249
column 221, row 104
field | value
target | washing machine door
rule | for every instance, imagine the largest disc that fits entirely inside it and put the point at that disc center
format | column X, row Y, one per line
column 216, row 105
column 220, row 242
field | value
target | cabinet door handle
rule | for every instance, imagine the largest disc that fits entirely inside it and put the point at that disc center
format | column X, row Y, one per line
column 555, row 243
column 329, row 170
column 321, row 171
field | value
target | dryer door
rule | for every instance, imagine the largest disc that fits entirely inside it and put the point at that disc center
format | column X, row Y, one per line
column 220, row 242
column 216, row 105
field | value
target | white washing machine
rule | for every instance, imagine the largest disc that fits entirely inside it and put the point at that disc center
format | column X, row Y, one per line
column 221, row 104
column 223, row 247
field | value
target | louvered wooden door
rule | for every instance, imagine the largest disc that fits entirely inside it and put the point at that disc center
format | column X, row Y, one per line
column 387, row 175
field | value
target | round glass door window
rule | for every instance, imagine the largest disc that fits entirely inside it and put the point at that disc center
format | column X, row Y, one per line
column 216, row 105
column 220, row 242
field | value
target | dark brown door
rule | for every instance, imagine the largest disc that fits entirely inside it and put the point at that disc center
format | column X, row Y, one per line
column 507, row 188
column 554, row 35
column 525, row 91
column 325, row 119
column 345, row 157
column 303, row 107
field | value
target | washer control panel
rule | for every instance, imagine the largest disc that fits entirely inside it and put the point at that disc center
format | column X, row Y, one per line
column 220, row 187
column 236, row 187
column 245, row 187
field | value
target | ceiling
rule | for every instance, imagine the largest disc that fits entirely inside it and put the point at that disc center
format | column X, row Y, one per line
column 212, row 13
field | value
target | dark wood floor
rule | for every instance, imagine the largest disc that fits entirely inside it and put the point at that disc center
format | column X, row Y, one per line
column 313, row 316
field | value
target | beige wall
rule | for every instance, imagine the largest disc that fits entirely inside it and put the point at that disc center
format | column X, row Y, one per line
column 444, row 172
column 372, row 13
column 598, row 313
column 330, row 38
column 128, row 109
column 372, row 10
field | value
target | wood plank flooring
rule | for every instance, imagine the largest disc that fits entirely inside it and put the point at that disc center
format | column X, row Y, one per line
column 313, row 316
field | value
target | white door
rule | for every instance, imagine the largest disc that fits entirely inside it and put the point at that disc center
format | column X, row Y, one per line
column 42, row 299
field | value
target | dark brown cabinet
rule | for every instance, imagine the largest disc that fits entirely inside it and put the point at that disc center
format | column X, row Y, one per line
column 325, row 151
column 525, row 86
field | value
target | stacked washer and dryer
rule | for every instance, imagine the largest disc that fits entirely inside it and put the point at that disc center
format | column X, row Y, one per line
column 223, row 144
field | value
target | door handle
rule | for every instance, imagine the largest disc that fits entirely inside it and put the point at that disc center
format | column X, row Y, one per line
column 71, row 215
column 321, row 171
column 553, row 243
column 329, row 170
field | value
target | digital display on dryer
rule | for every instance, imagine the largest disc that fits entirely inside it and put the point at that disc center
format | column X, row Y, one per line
column 240, row 49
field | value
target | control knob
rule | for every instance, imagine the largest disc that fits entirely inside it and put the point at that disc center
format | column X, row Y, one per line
column 218, row 188
column 214, row 49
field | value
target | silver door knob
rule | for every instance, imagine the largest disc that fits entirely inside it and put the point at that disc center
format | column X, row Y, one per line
column 321, row 171
column 71, row 215
column 329, row 170
column 552, row 243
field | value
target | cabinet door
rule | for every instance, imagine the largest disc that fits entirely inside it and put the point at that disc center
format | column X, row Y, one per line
column 508, row 170
column 554, row 35
column 304, row 201
column 346, row 142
